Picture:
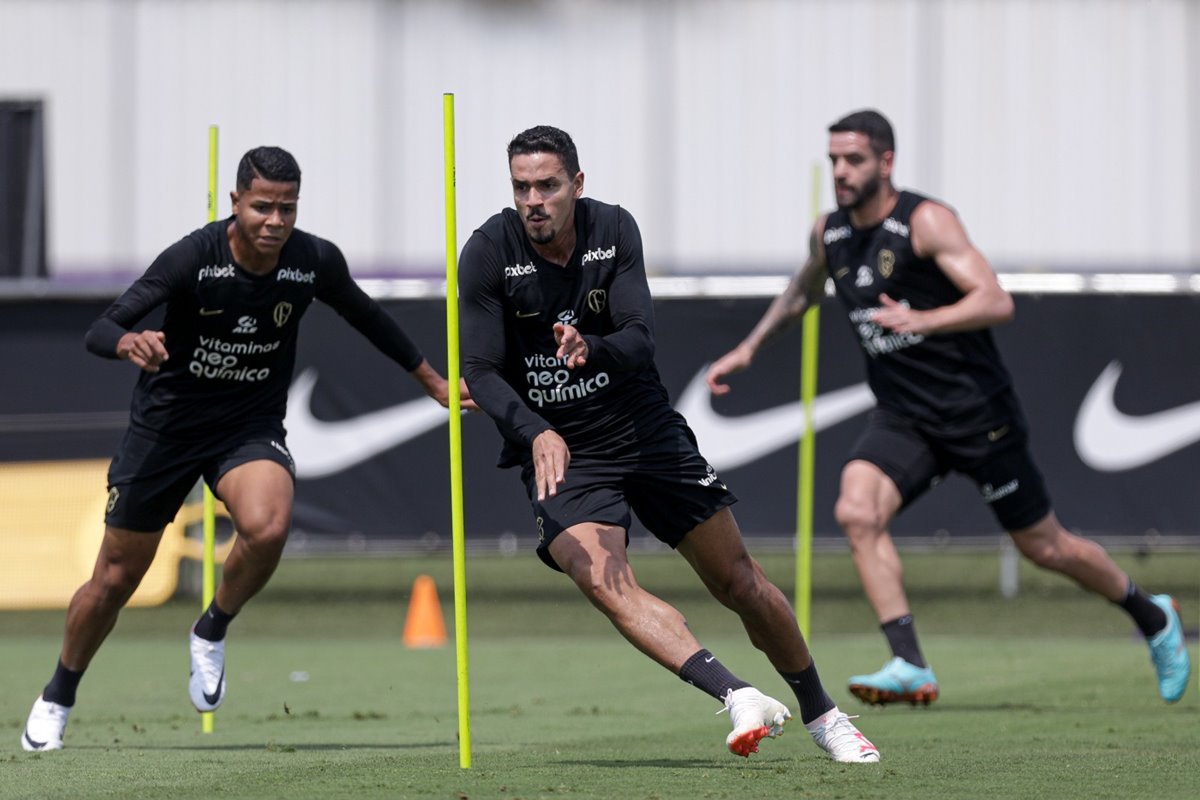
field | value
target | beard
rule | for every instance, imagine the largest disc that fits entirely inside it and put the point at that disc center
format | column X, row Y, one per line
column 863, row 195
column 546, row 236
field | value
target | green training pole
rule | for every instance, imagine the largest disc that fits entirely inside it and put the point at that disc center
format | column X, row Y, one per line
column 805, row 472
column 210, row 503
column 456, row 476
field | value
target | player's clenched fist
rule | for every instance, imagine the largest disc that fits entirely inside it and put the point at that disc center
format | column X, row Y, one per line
column 146, row 349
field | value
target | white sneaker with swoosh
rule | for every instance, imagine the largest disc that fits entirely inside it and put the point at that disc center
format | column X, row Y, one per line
column 46, row 725
column 206, row 684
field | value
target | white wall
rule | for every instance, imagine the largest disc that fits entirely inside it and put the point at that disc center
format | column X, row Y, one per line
column 1062, row 130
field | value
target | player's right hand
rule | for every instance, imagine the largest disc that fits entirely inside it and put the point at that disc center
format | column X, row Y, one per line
column 736, row 360
column 550, row 459
column 146, row 349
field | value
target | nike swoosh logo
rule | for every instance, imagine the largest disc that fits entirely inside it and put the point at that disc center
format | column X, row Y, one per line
column 32, row 743
column 527, row 314
column 322, row 448
column 214, row 698
column 211, row 312
column 730, row 442
column 1110, row 441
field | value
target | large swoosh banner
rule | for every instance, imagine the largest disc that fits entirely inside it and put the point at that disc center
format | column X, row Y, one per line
column 1113, row 408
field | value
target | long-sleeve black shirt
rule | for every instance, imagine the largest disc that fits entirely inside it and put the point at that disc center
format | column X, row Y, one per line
column 231, row 334
column 510, row 299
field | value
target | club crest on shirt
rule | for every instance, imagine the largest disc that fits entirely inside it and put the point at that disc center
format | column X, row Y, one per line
column 597, row 299
column 281, row 314
column 887, row 262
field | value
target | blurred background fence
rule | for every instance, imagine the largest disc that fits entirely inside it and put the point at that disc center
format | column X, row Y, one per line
column 1061, row 130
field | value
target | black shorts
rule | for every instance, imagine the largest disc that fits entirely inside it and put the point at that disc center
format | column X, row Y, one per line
column 664, row 481
column 997, row 460
column 148, row 479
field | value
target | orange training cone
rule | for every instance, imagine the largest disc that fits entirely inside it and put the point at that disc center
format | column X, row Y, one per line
column 424, row 626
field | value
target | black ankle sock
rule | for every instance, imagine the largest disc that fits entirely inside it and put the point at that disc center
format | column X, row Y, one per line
column 810, row 694
column 902, row 638
column 61, row 688
column 212, row 623
column 703, row 671
column 1149, row 618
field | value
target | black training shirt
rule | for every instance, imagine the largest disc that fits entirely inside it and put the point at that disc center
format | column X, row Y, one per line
column 511, row 297
column 230, row 334
column 951, row 382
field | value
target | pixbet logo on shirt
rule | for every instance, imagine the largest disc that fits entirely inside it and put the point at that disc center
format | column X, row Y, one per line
column 287, row 274
column 519, row 270
column 213, row 272
column 598, row 253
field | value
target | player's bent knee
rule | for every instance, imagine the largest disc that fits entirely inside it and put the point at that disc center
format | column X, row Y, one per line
column 858, row 520
column 747, row 585
column 1044, row 553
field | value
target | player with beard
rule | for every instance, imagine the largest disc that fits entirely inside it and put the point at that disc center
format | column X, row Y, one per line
column 558, row 348
column 921, row 299
column 210, row 402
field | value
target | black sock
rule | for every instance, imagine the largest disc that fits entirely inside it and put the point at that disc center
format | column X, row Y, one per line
column 708, row 675
column 212, row 623
column 810, row 694
column 902, row 638
column 1149, row 618
column 61, row 688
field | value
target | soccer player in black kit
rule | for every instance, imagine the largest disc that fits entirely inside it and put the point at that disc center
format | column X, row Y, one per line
column 210, row 402
column 558, row 348
column 922, row 298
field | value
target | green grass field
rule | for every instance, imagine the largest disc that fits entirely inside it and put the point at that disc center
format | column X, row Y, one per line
column 1046, row 695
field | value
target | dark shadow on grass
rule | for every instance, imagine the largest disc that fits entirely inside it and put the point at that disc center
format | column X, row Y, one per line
column 946, row 708
column 271, row 748
column 668, row 763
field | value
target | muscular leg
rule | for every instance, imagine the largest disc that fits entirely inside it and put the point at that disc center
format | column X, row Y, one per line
column 259, row 496
column 1052, row 547
column 593, row 556
column 867, row 502
column 718, row 555
column 120, row 566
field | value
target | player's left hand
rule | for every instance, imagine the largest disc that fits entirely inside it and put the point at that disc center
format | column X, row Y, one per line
column 571, row 345
column 897, row 316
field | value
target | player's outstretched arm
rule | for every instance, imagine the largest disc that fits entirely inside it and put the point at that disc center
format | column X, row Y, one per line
column 807, row 288
column 438, row 387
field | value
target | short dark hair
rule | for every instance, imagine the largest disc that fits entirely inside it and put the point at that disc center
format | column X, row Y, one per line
column 871, row 123
column 268, row 163
column 546, row 139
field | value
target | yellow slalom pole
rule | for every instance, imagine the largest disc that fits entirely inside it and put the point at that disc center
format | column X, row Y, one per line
column 808, row 391
column 456, row 476
column 210, row 504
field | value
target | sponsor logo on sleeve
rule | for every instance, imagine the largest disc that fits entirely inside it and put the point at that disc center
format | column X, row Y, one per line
column 519, row 270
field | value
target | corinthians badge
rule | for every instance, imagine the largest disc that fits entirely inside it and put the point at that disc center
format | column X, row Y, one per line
column 887, row 262
column 282, row 313
column 596, row 300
